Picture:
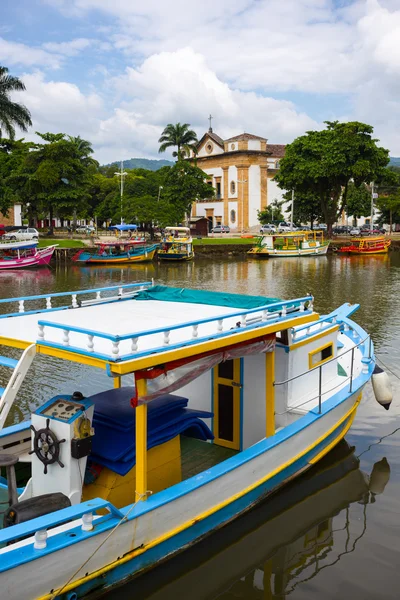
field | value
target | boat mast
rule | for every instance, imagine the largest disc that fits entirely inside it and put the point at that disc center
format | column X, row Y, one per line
column 291, row 213
column 122, row 174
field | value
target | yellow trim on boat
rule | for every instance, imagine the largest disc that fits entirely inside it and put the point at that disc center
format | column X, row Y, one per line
column 141, row 442
column 131, row 555
column 311, row 354
column 123, row 368
column 83, row 359
column 310, row 339
column 14, row 343
column 270, row 393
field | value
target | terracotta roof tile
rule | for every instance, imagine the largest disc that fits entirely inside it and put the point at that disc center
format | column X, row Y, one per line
column 276, row 150
column 246, row 136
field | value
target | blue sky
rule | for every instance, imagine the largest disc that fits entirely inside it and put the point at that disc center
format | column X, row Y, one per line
column 117, row 71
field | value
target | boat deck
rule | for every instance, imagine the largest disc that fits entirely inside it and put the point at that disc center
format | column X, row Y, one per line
column 198, row 456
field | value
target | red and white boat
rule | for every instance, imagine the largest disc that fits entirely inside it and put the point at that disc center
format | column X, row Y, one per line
column 20, row 255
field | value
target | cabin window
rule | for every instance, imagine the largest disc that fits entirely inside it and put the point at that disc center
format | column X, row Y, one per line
column 225, row 369
column 282, row 337
column 233, row 187
column 225, row 412
column 233, row 216
column 320, row 355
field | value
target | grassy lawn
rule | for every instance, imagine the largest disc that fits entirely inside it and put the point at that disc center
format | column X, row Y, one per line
column 61, row 243
column 225, row 240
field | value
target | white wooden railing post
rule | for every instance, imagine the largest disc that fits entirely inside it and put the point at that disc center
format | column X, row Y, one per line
column 48, row 302
column 134, row 344
column 21, row 306
column 166, row 337
column 220, row 325
column 98, row 295
column 66, row 337
column 115, row 349
column 90, row 343
column 74, row 301
column 41, row 332
column 195, row 331
column 87, row 522
column 243, row 321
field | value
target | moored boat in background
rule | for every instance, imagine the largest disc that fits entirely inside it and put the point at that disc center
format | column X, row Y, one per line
column 294, row 243
column 365, row 246
column 117, row 252
column 177, row 244
column 21, row 255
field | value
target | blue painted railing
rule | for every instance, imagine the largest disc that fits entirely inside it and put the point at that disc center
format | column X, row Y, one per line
column 73, row 295
column 270, row 313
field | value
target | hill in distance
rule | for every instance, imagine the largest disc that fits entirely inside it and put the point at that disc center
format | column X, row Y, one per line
column 143, row 163
column 394, row 161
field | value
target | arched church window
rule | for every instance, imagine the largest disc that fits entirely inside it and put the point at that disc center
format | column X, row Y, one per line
column 233, row 187
column 233, row 216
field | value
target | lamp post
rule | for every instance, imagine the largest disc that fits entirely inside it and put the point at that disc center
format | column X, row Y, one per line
column 159, row 192
column 373, row 197
column 242, row 181
column 122, row 174
column 291, row 212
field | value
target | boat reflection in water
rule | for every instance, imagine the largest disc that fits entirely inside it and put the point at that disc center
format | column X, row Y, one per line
column 279, row 544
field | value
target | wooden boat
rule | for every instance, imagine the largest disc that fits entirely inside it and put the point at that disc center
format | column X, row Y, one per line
column 233, row 396
column 295, row 243
column 368, row 245
column 117, row 252
column 20, row 255
column 177, row 244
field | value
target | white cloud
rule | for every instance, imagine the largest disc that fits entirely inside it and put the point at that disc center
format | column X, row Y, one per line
column 58, row 106
column 14, row 53
column 71, row 48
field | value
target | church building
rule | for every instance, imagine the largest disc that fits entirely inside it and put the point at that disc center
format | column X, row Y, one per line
column 241, row 169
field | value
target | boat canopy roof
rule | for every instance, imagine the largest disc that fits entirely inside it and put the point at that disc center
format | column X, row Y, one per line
column 369, row 239
column 123, row 227
column 151, row 323
column 13, row 245
column 121, row 243
column 182, row 229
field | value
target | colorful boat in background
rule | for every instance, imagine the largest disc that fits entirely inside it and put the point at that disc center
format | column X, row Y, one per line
column 365, row 246
column 20, row 255
column 117, row 252
column 177, row 244
column 294, row 243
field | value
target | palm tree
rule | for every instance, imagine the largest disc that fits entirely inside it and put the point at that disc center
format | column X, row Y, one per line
column 181, row 136
column 84, row 149
column 12, row 113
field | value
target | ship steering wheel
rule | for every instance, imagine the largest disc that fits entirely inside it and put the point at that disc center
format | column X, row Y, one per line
column 46, row 446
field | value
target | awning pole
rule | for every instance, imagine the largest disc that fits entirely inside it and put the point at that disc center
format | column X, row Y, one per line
column 141, row 442
column 270, row 393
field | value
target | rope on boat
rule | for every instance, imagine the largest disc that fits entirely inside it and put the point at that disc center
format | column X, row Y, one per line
column 124, row 518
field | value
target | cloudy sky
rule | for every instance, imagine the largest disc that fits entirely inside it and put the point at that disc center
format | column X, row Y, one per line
column 117, row 71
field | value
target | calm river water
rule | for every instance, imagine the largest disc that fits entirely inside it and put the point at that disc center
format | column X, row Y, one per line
column 335, row 532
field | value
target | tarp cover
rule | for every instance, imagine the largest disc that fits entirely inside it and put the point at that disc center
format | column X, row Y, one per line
column 170, row 294
column 123, row 227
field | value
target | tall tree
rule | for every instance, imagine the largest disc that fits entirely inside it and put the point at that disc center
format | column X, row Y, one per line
column 53, row 178
column 323, row 163
column 12, row 155
column 12, row 114
column 271, row 213
column 181, row 136
column 185, row 183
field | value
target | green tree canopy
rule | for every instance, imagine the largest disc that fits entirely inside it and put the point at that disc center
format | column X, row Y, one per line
column 185, row 183
column 12, row 114
column 181, row 136
column 54, row 177
column 271, row 213
column 358, row 200
column 323, row 163
column 12, row 155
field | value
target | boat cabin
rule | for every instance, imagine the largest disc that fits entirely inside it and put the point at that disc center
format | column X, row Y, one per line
column 177, row 244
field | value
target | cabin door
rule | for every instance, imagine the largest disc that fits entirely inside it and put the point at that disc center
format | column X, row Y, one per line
column 227, row 400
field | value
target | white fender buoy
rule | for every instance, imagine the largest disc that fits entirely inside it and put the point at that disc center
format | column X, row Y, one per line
column 379, row 478
column 381, row 387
